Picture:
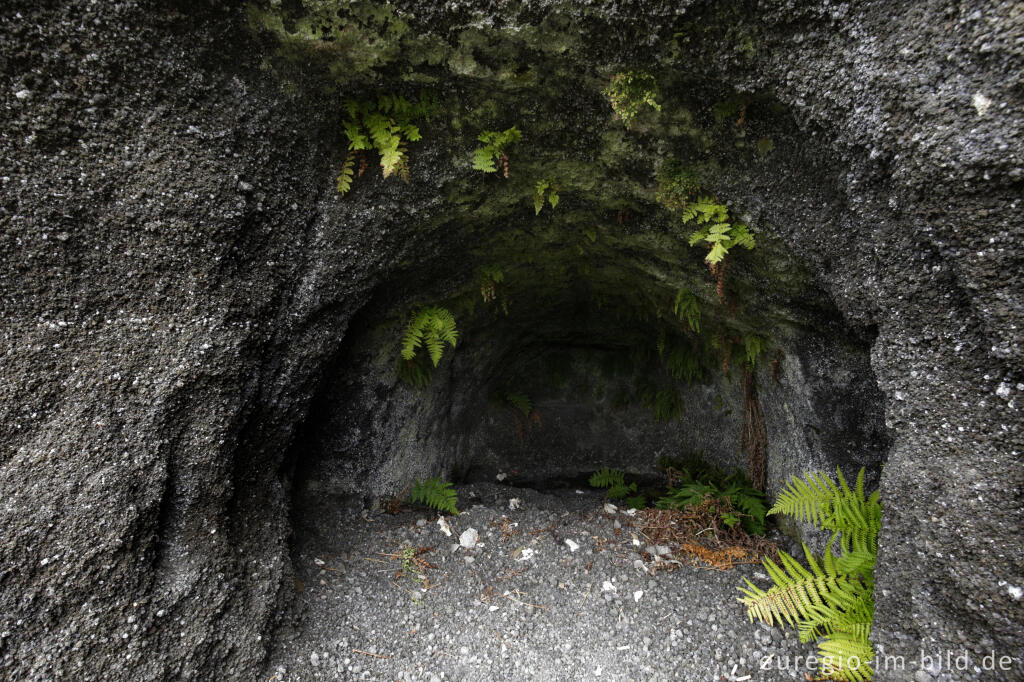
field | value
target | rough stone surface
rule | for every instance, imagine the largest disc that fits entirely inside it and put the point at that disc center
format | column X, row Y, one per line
column 179, row 277
column 529, row 606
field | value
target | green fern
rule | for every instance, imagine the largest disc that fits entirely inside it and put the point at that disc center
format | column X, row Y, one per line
column 636, row 502
column 385, row 126
column 436, row 494
column 686, row 495
column 629, row 92
column 495, row 150
column 620, row 491
column 687, row 307
column 545, row 190
column 754, row 345
column 750, row 501
column 345, row 176
column 431, row 328
column 701, row 479
column 684, row 364
column 831, row 601
column 718, row 233
column 607, row 478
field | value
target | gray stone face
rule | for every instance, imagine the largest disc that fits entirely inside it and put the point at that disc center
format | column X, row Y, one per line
column 189, row 315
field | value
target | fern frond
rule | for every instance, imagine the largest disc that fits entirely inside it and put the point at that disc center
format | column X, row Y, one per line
column 846, row 657
column 483, row 160
column 754, row 344
column 686, row 306
column 797, row 594
column 411, row 132
column 432, row 328
column 620, row 491
column 684, row 364
column 686, row 495
column 357, row 140
column 636, row 502
column 716, row 255
column 606, row 478
column 808, row 501
column 545, row 190
column 437, row 494
column 750, row 501
column 345, row 176
column 833, row 600
column 538, row 195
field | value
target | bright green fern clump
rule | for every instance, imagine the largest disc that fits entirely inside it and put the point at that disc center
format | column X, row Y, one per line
column 717, row 231
column 629, row 92
column 431, row 328
column 436, row 494
column 832, row 600
column 495, row 150
column 386, row 126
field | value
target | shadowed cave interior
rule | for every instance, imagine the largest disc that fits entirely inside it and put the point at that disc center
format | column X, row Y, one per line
column 577, row 360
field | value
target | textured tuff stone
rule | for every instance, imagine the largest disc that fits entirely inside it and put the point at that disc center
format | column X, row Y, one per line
column 179, row 279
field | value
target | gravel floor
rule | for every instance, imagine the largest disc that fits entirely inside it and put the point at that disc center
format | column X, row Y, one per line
column 520, row 605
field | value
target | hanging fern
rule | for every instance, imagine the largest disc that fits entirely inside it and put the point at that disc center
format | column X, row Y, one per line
column 666, row 403
column 718, row 233
column 754, row 345
column 495, row 150
column 345, row 176
column 436, row 494
column 545, row 190
column 432, row 328
column 831, row 601
column 684, row 363
column 387, row 127
column 686, row 307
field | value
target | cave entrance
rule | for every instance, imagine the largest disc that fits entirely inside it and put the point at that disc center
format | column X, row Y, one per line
column 568, row 360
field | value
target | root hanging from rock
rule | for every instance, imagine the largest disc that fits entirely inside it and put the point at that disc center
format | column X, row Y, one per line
column 754, row 439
